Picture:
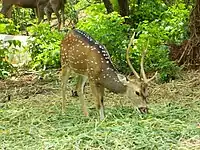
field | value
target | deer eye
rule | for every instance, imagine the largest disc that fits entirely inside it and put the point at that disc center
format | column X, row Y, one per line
column 137, row 93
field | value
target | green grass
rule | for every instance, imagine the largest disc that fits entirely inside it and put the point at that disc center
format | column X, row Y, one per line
column 37, row 122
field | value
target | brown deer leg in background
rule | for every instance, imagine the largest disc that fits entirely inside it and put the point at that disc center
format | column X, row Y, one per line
column 9, row 13
column 74, row 92
column 40, row 14
column 62, row 13
column 6, row 10
column 80, row 85
column 98, row 92
column 59, row 18
column 56, row 6
column 36, row 12
column 48, row 11
column 64, row 78
column 40, row 8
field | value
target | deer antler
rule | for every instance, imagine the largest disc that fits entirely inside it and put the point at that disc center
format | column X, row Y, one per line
column 127, row 56
column 142, row 64
column 142, row 67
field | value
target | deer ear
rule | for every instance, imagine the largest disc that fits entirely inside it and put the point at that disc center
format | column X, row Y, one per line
column 122, row 78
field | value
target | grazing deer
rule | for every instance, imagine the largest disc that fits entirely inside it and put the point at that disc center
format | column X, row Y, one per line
column 83, row 55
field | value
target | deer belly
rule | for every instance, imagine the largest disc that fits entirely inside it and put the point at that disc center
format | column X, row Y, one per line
column 27, row 4
column 79, row 67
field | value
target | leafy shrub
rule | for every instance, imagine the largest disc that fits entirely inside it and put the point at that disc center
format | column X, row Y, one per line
column 175, row 23
column 5, row 67
column 44, row 47
column 146, row 10
column 170, row 27
column 7, row 50
column 157, row 58
column 108, row 29
column 23, row 17
column 7, row 26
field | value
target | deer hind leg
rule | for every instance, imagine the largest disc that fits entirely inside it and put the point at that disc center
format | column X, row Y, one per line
column 62, row 13
column 80, row 90
column 74, row 92
column 56, row 11
column 6, row 10
column 48, row 11
column 40, row 14
column 64, row 78
column 98, row 92
column 59, row 19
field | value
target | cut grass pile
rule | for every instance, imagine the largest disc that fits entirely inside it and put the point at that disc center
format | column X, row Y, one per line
column 35, row 121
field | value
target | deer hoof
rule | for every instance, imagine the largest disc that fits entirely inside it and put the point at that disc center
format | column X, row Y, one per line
column 74, row 93
column 143, row 110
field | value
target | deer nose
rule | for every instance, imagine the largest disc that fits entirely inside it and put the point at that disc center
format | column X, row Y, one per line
column 143, row 110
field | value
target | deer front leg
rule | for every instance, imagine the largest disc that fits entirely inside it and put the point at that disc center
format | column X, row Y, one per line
column 98, row 92
column 56, row 11
column 64, row 78
column 6, row 10
column 74, row 92
column 80, row 89
column 62, row 13
column 40, row 14
column 48, row 11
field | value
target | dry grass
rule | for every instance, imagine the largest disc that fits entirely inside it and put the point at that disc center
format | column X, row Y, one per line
column 32, row 118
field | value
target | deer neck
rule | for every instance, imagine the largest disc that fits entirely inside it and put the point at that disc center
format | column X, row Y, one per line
column 110, row 80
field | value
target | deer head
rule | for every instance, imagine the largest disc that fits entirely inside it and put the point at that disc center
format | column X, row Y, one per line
column 140, row 84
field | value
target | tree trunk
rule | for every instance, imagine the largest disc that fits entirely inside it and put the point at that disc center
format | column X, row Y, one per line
column 108, row 6
column 189, row 53
column 123, row 7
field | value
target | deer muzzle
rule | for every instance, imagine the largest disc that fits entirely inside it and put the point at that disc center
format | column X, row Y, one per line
column 143, row 110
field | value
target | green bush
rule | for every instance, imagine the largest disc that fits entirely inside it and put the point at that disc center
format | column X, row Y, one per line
column 44, row 47
column 146, row 10
column 7, row 50
column 7, row 26
column 23, row 17
column 175, row 23
column 5, row 67
column 170, row 27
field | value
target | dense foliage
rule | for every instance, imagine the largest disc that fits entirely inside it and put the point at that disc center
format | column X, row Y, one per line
column 7, row 26
column 170, row 27
column 8, row 51
column 44, row 47
column 5, row 67
column 8, row 48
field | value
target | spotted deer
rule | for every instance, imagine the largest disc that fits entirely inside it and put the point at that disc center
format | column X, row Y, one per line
column 84, row 55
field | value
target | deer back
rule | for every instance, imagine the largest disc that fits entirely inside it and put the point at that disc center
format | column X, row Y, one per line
column 86, row 56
